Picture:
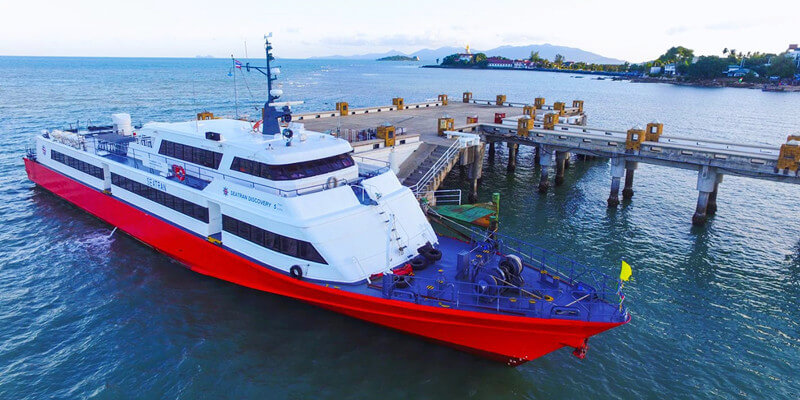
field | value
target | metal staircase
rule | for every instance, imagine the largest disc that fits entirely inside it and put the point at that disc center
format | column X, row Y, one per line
column 433, row 169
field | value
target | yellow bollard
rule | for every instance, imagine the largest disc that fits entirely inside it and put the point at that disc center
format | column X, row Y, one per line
column 635, row 139
column 560, row 107
column 387, row 133
column 654, row 131
column 538, row 103
column 398, row 102
column 205, row 115
column 550, row 121
column 524, row 126
column 342, row 108
column 578, row 104
column 445, row 124
column 529, row 111
column 501, row 99
column 443, row 99
column 789, row 157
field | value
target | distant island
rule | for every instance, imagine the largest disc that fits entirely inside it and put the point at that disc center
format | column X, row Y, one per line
column 399, row 58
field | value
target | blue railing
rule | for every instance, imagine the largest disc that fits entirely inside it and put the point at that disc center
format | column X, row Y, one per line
column 527, row 301
column 560, row 267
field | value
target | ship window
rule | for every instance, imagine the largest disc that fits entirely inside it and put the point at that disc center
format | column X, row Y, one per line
column 76, row 164
column 273, row 241
column 194, row 155
column 299, row 170
column 178, row 204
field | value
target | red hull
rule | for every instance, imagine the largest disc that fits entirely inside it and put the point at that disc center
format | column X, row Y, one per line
column 509, row 339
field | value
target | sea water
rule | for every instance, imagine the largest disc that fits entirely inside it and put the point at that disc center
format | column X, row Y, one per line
column 85, row 313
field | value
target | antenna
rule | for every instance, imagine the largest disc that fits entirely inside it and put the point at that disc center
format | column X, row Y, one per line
column 235, row 93
column 270, row 114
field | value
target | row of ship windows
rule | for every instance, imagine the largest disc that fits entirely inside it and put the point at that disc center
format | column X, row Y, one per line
column 273, row 241
column 212, row 159
column 279, row 243
column 79, row 165
column 287, row 172
column 178, row 204
column 194, row 155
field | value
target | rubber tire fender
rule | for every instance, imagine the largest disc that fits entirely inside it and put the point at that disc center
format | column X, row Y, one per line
column 296, row 272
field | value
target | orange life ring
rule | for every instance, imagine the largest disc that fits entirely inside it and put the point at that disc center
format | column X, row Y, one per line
column 179, row 172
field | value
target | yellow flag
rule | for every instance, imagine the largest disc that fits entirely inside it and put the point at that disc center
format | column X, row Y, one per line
column 625, row 273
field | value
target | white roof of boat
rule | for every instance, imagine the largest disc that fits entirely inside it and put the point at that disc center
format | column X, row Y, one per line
column 271, row 149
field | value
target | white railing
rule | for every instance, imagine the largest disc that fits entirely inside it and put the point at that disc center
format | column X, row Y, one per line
column 464, row 139
column 419, row 187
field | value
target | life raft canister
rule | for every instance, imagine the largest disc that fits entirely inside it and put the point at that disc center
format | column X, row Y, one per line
column 179, row 172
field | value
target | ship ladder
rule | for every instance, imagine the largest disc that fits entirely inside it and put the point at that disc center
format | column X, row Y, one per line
column 391, row 223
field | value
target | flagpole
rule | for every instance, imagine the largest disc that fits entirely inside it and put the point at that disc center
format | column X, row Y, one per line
column 235, row 94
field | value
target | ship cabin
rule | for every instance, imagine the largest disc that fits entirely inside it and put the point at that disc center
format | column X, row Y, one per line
column 287, row 201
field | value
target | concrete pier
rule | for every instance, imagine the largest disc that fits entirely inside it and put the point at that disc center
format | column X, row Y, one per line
column 546, row 159
column 706, row 184
column 561, row 160
column 627, row 191
column 426, row 130
column 617, row 171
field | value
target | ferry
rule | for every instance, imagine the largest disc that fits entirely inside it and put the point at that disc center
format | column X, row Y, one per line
column 272, row 206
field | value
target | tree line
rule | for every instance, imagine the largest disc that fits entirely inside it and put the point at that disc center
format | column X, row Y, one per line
column 686, row 64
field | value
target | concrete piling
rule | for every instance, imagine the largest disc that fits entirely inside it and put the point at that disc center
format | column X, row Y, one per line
column 617, row 171
column 536, row 155
column 706, row 184
column 546, row 159
column 475, row 171
column 712, row 198
column 567, row 160
column 491, row 149
column 512, row 157
column 627, row 191
column 561, row 158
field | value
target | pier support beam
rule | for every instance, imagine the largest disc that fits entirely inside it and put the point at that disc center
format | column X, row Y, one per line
column 512, row 156
column 536, row 150
column 630, row 167
column 567, row 160
column 491, row 149
column 561, row 160
column 706, row 184
column 546, row 158
column 617, row 171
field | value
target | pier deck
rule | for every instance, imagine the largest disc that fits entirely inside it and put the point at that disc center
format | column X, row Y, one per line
column 556, row 132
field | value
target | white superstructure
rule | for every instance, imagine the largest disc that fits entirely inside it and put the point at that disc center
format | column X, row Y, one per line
column 307, row 204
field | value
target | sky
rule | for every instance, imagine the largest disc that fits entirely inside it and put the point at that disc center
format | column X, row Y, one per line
column 629, row 30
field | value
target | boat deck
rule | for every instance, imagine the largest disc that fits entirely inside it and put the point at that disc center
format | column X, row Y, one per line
column 544, row 292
